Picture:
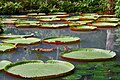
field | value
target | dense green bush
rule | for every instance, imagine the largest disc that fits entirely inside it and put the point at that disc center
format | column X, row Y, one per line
column 10, row 8
column 70, row 6
column 117, row 8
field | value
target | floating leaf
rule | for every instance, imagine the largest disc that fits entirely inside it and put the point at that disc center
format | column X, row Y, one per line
column 88, row 18
column 53, row 26
column 88, row 54
column 6, row 47
column 3, row 64
column 83, row 28
column 22, row 41
column 19, row 16
column 52, row 68
column 76, row 23
column 104, row 25
column 14, row 36
column 108, row 19
column 49, row 19
column 62, row 40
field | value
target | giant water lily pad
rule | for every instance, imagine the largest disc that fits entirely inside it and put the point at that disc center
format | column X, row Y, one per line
column 26, row 21
column 35, row 14
column 83, row 28
column 50, row 19
column 62, row 40
column 27, row 25
column 108, row 19
column 105, row 25
column 91, row 14
column 53, row 26
column 8, row 20
column 45, row 16
column 19, row 16
column 88, row 54
column 6, row 47
column 88, row 18
column 22, row 41
column 75, row 23
column 39, row 69
column 108, row 16
column 3, row 64
column 71, row 18
column 15, row 36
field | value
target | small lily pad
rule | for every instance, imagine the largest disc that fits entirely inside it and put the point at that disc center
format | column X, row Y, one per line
column 88, row 54
column 108, row 19
column 26, row 25
column 105, row 25
column 19, row 16
column 83, row 28
column 88, row 18
column 15, row 36
column 52, row 68
column 3, row 64
column 62, row 40
column 108, row 16
column 53, row 26
column 50, row 19
column 6, row 47
column 71, row 18
column 22, row 41
column 35, row 14
column 8, row 20
column 45, row 16
column 91, row 14
column 75, row 23
column 26, row 21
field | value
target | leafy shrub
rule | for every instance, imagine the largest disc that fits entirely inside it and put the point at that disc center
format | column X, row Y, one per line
column 10, row 8
column 70, row 6
column 117, row 8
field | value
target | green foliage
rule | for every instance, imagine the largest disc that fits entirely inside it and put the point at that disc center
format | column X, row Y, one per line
column 117, row 8
column 96, row 71
column 70, row 6
column 10, row 8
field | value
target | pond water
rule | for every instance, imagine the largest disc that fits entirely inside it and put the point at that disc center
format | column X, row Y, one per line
column 103, row 39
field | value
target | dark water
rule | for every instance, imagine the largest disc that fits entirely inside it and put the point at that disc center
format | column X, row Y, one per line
column 103, row 39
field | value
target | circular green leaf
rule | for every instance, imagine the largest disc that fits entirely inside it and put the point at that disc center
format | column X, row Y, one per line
column 83, row 28
column 3, row 64
column 88, row 54
column 62, row 40
column 22, row 41
column 104, row 24
column 14, row 36
column 51, row 68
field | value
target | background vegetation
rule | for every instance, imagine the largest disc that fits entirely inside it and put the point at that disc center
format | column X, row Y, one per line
column 117, row 8
column 70, row 6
